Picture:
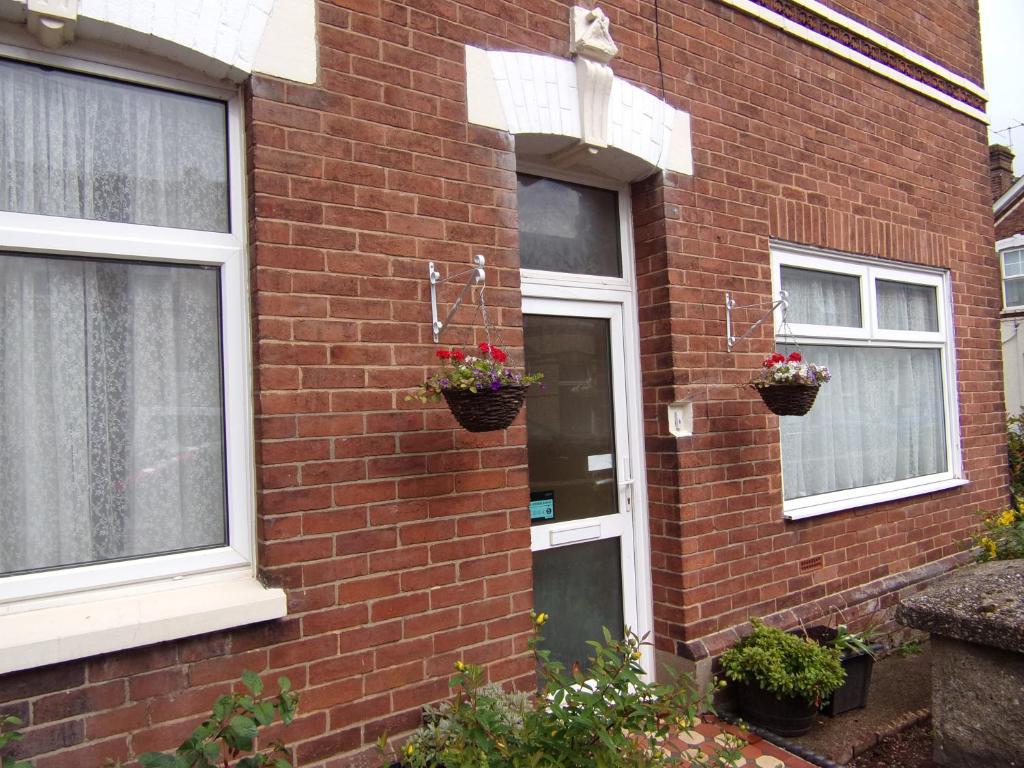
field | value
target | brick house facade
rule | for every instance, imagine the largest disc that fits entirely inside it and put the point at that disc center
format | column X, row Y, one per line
column 1008, row 213
column 841, row 139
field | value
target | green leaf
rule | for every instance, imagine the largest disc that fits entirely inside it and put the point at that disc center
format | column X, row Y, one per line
column 252, row 681
column 243, row 731
column 263, row 712
column 159, row 760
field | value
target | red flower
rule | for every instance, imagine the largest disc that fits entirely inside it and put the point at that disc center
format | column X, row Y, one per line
column 795, row 357
column 457, row 354
column 444, row 354
column 495, row 353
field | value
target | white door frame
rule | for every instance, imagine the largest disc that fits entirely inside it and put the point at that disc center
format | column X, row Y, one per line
column 590, row 296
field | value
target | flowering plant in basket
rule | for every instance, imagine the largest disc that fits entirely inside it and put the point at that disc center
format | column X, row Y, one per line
column 780, row 369
column 788, row 384
column 483, row 392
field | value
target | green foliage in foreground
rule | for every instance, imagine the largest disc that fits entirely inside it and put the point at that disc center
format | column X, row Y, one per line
column 607, row 716
column 222, row 741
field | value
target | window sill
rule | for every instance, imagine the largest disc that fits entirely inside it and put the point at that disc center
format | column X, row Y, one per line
column 835, row 502
column 115, row 620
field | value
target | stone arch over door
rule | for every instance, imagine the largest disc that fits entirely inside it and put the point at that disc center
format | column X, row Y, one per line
column 576, row 117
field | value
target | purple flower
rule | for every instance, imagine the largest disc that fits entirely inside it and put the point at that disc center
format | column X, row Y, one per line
column 495, row 384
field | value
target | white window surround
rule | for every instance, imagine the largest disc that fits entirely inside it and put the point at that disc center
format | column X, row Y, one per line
column 1002, row 248
column 75, row 612
column 867, row 335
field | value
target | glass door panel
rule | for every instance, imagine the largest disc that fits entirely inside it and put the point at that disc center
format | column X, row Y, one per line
column 571, row 443
column 580, row 588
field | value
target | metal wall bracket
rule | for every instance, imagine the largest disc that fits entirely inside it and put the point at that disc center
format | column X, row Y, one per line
column 730, row 305
column 478, row 274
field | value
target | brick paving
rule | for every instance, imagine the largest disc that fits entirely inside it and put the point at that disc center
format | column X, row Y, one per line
column 709, row 735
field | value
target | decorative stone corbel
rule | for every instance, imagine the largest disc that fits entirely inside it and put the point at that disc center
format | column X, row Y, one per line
column 592, row 44
column 53, row 21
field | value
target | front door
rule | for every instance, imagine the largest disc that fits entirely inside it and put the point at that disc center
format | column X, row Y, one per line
column 591, row 551
column 582, row 474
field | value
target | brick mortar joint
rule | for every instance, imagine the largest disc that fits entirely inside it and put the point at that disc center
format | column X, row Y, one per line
column 713, row 644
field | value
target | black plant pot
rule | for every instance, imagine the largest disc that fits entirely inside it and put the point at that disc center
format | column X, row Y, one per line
column 790, row 716
column 853, row 694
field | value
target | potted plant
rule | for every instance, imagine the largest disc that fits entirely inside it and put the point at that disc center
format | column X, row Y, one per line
column 789, row 385
column 781, row 678
column 857, row 655
column 482, row 391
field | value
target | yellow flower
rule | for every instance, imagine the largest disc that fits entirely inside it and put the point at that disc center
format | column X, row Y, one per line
column 409, row 749
column 1006, row 518
column 541, row 619
column 460, row 666
column 635, row 655
column 990, row 547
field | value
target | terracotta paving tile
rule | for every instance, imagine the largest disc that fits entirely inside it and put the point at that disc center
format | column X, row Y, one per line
column 710, row 733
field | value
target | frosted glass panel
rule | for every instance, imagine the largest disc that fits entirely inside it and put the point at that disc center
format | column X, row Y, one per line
column 567, row 227
column 879, row 420
column 906, row 306
column 111, row 415
column 822, row 298
column 580, row 588
column 89, row 148
column 570, row 439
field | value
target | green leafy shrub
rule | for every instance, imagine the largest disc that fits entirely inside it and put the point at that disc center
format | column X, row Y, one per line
column 604, row 717
column 220, row 741
column 231, row 730
column 8, row 735
column 1015, row 454
column 1002, row 537
column 784, row 664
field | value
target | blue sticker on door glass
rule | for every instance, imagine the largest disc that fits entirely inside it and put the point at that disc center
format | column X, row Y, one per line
column 542, row 505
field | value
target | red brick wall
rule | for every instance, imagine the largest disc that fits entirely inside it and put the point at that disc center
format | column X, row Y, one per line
column 402, row 542
column 1011, row 222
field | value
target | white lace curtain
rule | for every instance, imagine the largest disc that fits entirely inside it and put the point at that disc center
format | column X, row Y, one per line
column 84, row 147
column 111, row 423
column 882, row 417
column 110, row 411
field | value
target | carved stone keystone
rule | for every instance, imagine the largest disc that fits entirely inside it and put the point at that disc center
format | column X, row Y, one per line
column 591, row 42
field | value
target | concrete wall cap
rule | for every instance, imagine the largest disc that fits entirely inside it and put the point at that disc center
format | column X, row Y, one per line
column 981, row 604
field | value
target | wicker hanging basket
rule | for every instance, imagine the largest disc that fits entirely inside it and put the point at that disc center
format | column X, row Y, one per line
column 485, row 411
column 789, row 399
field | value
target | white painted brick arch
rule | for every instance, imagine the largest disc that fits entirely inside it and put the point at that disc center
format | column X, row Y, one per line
column 534, row 96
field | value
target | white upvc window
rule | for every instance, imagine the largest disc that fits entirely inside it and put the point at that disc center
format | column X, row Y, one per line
column 886, row 426
column 126, row 461
column 1011, row 263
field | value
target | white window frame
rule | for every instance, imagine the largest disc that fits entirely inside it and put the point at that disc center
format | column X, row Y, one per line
column 109, row 606
column 1002, row 248
column 867, row 335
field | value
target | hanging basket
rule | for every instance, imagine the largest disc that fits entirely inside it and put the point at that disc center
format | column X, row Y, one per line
column 789, row 399
column 485, row 411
